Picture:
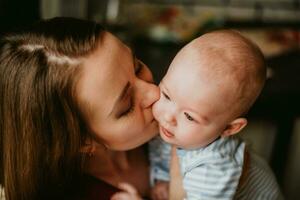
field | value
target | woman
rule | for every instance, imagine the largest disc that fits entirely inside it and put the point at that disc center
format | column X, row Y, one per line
column 75, row 110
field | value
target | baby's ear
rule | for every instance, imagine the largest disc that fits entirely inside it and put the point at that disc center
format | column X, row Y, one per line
column 234, row 127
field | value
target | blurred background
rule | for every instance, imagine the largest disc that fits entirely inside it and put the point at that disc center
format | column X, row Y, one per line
column 157, row 29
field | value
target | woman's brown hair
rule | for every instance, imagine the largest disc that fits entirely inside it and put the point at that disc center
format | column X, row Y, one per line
column 41, row 129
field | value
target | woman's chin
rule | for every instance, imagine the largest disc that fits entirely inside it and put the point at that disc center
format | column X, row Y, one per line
column 152, row 130
column 149, row 132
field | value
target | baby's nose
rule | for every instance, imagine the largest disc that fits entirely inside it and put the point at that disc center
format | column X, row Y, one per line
column 170, row 119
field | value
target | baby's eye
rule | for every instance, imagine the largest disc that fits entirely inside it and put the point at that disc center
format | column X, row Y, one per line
column 189, row 117
column 166, row 96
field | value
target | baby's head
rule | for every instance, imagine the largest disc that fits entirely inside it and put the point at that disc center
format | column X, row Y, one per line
column 210, row 85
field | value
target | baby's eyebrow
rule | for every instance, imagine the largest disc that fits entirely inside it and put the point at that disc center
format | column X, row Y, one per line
column 199, row 118
column 162, row 83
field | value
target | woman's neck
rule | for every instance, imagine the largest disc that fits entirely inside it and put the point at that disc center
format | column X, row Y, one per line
column 107, row 165
column 114, row 167
column 119, row 159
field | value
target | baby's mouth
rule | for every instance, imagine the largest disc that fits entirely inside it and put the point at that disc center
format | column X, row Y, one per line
column 166, row 132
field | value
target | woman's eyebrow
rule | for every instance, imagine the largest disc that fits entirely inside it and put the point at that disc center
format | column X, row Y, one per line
column 121, row 96
column 133, row 60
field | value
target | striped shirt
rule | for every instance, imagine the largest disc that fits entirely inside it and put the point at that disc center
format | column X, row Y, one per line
column 214, row 171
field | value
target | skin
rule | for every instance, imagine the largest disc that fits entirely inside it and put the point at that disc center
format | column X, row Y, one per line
column 119, row 124
column 211, row 82
column 190, row 118
column 193, row 107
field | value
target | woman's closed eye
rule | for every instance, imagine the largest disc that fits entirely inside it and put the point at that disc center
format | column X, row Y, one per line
column 129, row 109
column 128, row 103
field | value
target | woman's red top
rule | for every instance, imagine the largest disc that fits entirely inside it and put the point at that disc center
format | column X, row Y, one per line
column 95, row 189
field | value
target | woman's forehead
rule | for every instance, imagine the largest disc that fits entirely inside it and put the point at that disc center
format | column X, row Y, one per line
column 104, row 72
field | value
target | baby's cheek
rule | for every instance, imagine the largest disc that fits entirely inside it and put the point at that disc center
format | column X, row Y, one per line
column 156, row 109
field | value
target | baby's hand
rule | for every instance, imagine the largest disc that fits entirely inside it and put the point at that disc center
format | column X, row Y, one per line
column 128, row 193
column 160, row 191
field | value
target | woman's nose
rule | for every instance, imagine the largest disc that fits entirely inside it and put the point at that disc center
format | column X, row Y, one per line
column 150, row 95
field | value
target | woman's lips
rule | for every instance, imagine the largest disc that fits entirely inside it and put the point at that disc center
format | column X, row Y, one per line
column 166, row 132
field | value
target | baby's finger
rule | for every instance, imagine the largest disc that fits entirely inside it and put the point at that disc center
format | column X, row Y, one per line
column 158, row 196
column 128, row 188
column 154, row 196
column 121, row 196
column 164, row 195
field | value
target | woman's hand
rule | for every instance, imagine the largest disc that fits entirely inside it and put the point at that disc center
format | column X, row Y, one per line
column 129, row 193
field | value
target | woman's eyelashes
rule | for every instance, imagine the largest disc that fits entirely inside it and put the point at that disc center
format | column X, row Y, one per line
column 129, row 109
column 127, row 105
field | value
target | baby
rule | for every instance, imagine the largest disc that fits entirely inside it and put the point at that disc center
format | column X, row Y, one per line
column 210, row 85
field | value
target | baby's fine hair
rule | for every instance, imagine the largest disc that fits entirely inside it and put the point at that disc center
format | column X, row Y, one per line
column 239, row 60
